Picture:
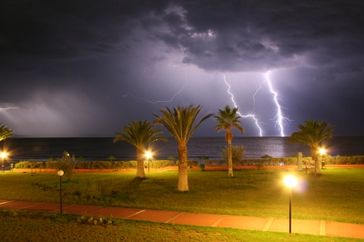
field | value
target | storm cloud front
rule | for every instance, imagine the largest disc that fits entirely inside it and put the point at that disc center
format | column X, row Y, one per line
column 87, row 68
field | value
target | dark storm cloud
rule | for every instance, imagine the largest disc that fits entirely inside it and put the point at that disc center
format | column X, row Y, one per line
column 117, row 54
column 64, row 30
column 260, row 35
column 214, row 35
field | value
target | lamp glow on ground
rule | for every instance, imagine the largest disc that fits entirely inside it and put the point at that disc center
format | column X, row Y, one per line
column 148, row 155
column 290, row 181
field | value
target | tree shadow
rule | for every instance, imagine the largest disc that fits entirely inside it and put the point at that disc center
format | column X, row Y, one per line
column 134, row 184
column 128, row 191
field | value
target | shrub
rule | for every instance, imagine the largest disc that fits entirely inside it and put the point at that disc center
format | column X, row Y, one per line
column 238, row 153
column 67, row 164
column 23, row 164
column 111, row 158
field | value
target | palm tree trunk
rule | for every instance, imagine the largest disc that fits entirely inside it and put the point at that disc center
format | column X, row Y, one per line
column 182, row 168
column 315, row 158
column 229, row 151
column 140, row 165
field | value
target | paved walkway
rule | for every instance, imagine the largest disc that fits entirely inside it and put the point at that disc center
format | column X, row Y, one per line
column 314, row 227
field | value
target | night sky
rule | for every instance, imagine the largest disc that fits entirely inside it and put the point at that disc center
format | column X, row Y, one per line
column 86, row 68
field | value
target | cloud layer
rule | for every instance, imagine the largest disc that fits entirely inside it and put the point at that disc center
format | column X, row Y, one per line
column 122, row 56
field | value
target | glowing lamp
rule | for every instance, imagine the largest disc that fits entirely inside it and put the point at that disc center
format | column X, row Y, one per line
column 290, row 181
column 60, row 173
column 4, row 155
column 322, row 151
column 148, row 154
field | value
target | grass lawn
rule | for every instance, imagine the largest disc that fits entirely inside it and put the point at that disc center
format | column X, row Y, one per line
column 25, row 227
column 336, row 195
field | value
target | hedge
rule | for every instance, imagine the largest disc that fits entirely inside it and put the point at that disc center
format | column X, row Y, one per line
column 92, row 164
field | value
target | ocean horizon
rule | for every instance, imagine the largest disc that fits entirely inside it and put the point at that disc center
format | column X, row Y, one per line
column 101, row 148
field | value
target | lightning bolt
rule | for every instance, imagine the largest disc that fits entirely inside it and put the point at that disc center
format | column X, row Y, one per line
column 171, row 99
column 248, row 115
column 256, row 92
column 280, row 118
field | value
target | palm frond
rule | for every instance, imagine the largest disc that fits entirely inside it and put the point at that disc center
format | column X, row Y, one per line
column 313, row 133
column 5, row 132
column 139, row 134
column 180, row 121
column 228, row 119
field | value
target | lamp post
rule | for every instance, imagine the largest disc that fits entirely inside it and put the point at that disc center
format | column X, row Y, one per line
column 60, row 173
column 4, row 155
column 322, row 151
column 148, row 154
column 290, row 182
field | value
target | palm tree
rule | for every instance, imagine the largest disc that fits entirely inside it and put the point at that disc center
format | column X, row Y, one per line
column 5, row 132
column 140, row 134
column 227, row 119
column 314, row 134
column 180, row 123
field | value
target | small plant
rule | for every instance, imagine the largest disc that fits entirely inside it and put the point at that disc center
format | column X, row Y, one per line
column 111, row 158
column 94, row 221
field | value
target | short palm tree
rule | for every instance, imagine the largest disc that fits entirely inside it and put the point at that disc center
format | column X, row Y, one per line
column 140, row 134
column 314, row 134
column 227, row 119
column 5, row 132
column 180, row 123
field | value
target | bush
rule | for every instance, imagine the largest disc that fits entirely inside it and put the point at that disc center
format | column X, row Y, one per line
column 23, row 164
column 67, row 164
column 62, row 164
column 356, row 159
column 238, row 153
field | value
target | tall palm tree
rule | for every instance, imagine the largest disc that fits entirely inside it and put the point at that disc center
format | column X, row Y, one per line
column 5, row 132
column 180, row 123
column 314, row 134
column 140, row 134
column 227, row 119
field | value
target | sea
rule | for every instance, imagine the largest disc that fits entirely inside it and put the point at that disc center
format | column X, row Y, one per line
column 199, row 147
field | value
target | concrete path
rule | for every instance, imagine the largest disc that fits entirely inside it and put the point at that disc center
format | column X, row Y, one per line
column 314, row 227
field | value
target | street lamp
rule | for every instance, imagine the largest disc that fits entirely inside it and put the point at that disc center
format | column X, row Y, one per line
column 290, row 181
column 4, row 155
column 60, row 173
column 148, row 154
column 322, row 151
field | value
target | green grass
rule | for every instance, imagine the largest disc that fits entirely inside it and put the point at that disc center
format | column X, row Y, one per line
column 24, row 227
column 336, row 195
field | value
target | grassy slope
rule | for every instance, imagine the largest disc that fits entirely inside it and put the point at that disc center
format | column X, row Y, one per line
column 337, row 195
column 24, row 227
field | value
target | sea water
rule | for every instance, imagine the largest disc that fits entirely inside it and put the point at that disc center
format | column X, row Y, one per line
column 211, row 147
